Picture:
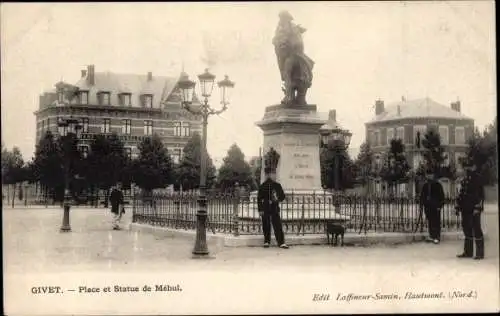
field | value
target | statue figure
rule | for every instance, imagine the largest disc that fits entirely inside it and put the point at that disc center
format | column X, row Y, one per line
column 295, row 67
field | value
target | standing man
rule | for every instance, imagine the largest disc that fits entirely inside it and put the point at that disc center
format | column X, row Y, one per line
column 117, row 205
column 432, row 200
column 470, row 203
column 269, row 195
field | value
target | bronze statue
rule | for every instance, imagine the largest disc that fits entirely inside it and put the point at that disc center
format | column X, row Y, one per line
column 295, row 67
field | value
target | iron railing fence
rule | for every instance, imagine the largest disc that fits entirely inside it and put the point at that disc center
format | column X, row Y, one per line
column 30, row 196
column 301, row 213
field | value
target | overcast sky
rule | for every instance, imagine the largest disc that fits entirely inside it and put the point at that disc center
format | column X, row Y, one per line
column 362, row 51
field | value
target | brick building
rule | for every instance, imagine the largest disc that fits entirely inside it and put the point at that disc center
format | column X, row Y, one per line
column 404, row 119
column 133, row 106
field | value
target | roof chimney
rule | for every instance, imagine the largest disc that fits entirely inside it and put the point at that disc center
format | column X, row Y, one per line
column 399, row 110
column 455, row 106
column 84, row 73
column 150, row 76
column 332, row 115
column 91, row 74
column 379, row 107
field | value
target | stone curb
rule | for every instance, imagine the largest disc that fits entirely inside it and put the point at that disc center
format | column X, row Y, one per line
column 224, row 240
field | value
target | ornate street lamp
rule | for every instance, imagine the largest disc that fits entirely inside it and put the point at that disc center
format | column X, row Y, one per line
column 338, row 139
column 71, row 129
column 205, row 110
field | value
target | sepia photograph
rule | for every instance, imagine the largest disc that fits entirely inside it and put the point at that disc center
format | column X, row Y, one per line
column 221, row 158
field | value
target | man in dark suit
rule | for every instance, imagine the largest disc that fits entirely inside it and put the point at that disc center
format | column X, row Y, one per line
column 432, row 200
column 470, row 203
column 117, row 205
column 269, row 195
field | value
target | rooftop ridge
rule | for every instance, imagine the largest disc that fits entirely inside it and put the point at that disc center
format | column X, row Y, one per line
column 135, row 74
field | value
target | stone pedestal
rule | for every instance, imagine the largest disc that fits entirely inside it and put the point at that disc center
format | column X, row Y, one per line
column 293, row 133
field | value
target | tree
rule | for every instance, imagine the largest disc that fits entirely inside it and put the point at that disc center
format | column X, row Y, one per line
column 490, row 144
column 188, row 170
column 48, row 165
column 255, row 163
column 482, row 152
column 153, row 168
column 12, row 166
column 235, row 170
column 13, row 170
column 435, row 156
column 337, row 168
column 363, row 164
column 395, row 168
column 105, row 162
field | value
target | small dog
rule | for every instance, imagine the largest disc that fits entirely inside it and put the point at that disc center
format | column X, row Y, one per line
column 335, row 230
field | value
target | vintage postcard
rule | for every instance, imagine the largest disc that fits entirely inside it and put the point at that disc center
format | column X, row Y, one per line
column 249, row 158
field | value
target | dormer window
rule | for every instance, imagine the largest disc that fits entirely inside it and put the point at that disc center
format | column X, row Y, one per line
column 84, row 97
column 125, row 99
column 147, row 101
column 104, row 98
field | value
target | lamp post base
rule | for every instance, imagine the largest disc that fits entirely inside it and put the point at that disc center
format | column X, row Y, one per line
column 200, row 246
column 65, row 227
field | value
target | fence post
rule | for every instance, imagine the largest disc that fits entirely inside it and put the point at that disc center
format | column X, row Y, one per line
column 236, row 203
column 134, row 205
column 177, row 205
column 13, row 194
column 26, row 195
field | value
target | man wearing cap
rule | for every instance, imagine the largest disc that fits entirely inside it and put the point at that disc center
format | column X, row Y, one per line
column 432, row 200
column 470, row 203
column 269, row 195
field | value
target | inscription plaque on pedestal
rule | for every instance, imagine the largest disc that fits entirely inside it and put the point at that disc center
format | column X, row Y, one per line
column 293, row 133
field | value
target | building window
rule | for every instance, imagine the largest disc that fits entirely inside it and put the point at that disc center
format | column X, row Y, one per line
column 127, row 127
column 458, row 161
column 371, row 138
column 43, row 126
column 128, row 153
column 61, row 129
column 459, row 135
column 176, row 155
column 446, row 187
column 84, row 97
column 125, row 99
column 148, row 127
column 84, row 150
column 390, row 135
column 377, row 162
column 417, row 160
column 147, row 101
column 177, row 129
column 106, row 126
column 446, row 160
column 400, row 133
column 104, row 98
column 418, row 134
column 60, row 97
column 377, row 138
column 85, row 125
column 186, row 129
column 444, row 134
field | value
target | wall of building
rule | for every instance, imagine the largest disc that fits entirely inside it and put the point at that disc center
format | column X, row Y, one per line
column 174, row 127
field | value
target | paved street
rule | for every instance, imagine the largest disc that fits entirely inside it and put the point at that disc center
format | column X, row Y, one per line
column 36, row 254
column 32, row 242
